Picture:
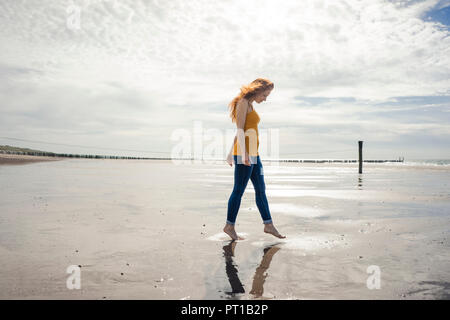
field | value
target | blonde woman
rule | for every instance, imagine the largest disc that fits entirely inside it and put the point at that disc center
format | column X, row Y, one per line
column 244, row 154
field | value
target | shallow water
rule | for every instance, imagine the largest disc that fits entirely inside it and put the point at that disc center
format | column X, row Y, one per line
column 165, row 221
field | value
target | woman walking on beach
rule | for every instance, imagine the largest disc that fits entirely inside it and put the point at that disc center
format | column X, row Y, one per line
column 244, row 154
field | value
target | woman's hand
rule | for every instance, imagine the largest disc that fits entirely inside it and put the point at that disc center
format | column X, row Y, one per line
column 230, row 159
column 247, row 160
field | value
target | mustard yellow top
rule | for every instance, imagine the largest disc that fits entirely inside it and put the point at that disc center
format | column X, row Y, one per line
column 251, row 134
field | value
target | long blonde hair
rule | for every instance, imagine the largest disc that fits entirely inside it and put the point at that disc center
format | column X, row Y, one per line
column 248, row 91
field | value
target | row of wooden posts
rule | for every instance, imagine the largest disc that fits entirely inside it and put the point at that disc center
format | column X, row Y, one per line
column 52, row 154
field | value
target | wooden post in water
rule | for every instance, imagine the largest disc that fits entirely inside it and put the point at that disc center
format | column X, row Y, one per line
column 360, row 144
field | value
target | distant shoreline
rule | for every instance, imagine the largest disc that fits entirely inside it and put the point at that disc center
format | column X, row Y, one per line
column 14, row 155
column 18, row 159
column 22, row 158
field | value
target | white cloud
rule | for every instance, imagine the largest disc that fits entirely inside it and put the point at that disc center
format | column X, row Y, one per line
column 163, row 64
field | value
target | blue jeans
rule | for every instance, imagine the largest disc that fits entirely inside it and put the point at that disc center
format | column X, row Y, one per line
column 242, row 174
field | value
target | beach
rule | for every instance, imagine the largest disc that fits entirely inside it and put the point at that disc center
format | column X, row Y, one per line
column 152, row 229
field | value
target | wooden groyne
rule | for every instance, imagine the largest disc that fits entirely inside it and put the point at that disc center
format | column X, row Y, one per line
column 31, row 152
column 91, row 156
column 88, row 156
column 332, row 160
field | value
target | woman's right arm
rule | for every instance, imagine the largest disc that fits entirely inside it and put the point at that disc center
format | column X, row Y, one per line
column 230, row 154
column 232, row 145
column 241, row 115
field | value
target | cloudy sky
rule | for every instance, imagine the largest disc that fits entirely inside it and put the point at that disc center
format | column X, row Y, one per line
column 125, row 77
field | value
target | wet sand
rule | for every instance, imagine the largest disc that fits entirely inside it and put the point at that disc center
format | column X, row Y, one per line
column 153, row 230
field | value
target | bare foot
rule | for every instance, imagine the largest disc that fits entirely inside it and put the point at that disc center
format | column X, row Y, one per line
column 229, row 230
column 269, row 228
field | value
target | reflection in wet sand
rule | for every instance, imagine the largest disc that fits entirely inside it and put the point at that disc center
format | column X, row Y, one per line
column 258, row 279
column 236, row 285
